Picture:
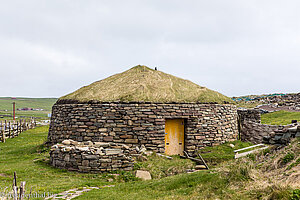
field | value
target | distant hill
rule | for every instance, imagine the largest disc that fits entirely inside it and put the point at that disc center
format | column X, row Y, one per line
column 41, row 103
column 142, row 83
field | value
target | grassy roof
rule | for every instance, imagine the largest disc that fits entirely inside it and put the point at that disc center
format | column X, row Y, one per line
column 141, row 83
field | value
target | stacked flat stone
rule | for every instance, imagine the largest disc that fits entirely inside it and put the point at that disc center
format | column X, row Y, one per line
column 251, row 130
column 269, row 134
column 92, row 157
column 142, row 123
column 250, row 115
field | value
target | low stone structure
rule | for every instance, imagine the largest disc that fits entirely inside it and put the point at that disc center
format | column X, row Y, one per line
column 91, row 156
column 249, row 114
column 138, row 123
column 252, row 130
column 269, row 134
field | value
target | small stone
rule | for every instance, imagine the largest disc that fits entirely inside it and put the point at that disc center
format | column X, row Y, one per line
column 200, row 167
column 137, row 148
column 144, row 175
column 131, row 141
column 74, row 143
column 102, row 130
column 82, row 148
column 143, row 149
column 90, row 157
column 88, row 143
column 125, row 146
column 101, row 144
column 67, row 158
column 148, row 153
column 85, row 163
column 113, row 151
column 66, row 142
column 293, row 129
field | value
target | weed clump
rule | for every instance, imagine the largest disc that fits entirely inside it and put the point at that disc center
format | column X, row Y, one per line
column 295, row 194
column 294, row 164
column 288, row 158
column 240, row 171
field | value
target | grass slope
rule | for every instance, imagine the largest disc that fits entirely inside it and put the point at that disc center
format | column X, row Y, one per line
column 280, row 117
column 42, row 103
column 200, row 185
column 141, row 83
column 29, row 158
column 26, row 155
column 270, row 174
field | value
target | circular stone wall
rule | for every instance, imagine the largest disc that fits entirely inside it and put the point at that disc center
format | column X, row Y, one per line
column 142, row 123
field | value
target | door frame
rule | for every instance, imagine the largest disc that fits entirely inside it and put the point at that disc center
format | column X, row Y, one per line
column 184, row 130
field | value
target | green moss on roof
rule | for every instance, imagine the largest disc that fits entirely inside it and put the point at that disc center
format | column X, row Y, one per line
column 141, row 83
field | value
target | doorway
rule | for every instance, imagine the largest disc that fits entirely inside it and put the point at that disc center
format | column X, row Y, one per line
column 174, row 136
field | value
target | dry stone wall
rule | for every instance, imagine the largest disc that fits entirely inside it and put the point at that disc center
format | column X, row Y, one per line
column 91, row 156
column 252, row 130
column 270, row 134
column 249, row 115
column 142, row 123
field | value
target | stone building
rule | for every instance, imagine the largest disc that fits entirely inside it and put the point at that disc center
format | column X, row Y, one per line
column 145, row 107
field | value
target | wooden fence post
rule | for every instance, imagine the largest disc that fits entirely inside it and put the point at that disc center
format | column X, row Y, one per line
column 15, row 187
column 21, row 127
column 14, row 128
column 22, row 190
column 9, row 131
column 5, row 128
column 2, row 132
column 17, row 127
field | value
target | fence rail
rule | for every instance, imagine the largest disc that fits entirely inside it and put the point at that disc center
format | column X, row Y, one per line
column 11, row 129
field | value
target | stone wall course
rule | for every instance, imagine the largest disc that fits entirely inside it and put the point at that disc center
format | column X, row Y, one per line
column 142, row 123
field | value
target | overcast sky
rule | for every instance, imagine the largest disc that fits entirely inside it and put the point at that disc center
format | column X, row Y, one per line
column 49, row 48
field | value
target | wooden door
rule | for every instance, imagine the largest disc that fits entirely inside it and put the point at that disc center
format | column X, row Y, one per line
column 174, row 136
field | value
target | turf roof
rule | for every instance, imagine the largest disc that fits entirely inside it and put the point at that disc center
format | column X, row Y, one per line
column 142, row 83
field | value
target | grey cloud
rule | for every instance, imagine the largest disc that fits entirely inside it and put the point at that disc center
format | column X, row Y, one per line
column 50, row 48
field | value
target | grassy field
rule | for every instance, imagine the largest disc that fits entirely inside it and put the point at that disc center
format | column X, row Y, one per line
column 280, row 117
column 270, row 174
column 35, row 103
column 28, row 156
column 42, row 103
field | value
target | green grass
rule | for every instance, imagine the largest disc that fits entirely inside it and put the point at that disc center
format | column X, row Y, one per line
column 288, row 158
column 217, row 154
column 42, row 103
column 29, row 158
column 199, row 185
column 141, row 83
column 280, row 117
column 25, row 114
column 294, row 164
column 160, row 167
